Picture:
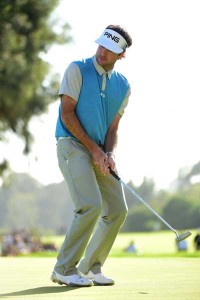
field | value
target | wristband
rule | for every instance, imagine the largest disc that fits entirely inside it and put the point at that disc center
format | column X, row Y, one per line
column 109, row 154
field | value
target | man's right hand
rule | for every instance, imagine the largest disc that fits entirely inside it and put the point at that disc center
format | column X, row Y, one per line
column 101, row 160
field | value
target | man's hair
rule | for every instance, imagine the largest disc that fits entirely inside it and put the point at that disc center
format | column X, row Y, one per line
column 122, row 32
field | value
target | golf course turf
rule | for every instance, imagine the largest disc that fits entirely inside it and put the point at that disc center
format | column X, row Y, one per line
column 135, row 278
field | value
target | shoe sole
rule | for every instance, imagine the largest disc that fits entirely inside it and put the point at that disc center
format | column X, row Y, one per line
column 102, row 284
column 68, row 284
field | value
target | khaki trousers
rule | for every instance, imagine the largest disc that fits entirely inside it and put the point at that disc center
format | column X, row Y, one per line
column 100, row 210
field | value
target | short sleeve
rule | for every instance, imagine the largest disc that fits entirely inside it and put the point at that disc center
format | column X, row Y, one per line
column 124, row 103
column 71, row 82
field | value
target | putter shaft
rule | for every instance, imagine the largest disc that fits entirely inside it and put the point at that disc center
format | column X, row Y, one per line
column 178, row 237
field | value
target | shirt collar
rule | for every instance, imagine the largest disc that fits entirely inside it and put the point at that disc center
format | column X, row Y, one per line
column 99, row 68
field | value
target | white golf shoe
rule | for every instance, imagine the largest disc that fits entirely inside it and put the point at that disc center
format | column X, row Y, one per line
column 99, row 278
column 71, row 280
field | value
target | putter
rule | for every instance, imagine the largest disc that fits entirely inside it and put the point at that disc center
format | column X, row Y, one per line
column 178, row 237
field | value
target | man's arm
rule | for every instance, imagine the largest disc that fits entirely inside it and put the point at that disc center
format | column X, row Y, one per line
column 73, row 124
column 111, row 141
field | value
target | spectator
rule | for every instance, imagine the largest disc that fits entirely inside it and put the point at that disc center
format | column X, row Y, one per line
column 131, row 248
column 182, row 245
column 197, row 240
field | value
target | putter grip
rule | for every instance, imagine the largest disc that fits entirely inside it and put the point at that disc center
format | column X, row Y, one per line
column 114, row 174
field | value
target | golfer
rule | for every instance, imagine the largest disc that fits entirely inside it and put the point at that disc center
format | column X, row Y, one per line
column 93, row 98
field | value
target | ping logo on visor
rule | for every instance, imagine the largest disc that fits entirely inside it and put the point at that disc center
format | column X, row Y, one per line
column 114, row 38
column 112, row 41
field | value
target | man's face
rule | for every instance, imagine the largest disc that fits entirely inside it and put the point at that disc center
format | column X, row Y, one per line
column 106, row 58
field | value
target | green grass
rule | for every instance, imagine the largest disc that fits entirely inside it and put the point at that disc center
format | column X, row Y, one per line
column 136, row 278
column 157, row 272
column 149, row 244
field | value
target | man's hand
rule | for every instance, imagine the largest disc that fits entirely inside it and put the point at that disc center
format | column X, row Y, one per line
column 101, row 160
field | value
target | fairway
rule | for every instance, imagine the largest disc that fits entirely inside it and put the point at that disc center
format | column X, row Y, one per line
column 159, row 243
column 136, row 278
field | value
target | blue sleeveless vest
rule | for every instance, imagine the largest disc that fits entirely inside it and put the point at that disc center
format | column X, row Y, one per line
column 94, row 111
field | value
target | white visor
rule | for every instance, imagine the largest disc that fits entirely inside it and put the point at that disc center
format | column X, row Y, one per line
column 112, row 41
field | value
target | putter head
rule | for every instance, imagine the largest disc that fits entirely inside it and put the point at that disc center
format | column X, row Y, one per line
column 183, row 236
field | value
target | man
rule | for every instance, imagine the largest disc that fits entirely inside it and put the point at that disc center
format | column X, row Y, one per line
column 197, row 240
column 93, row 99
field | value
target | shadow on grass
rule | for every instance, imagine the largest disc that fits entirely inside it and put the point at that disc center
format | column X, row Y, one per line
column 40, row 291
column 45, row 290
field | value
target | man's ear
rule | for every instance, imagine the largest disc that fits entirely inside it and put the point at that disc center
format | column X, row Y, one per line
column 122, row 55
